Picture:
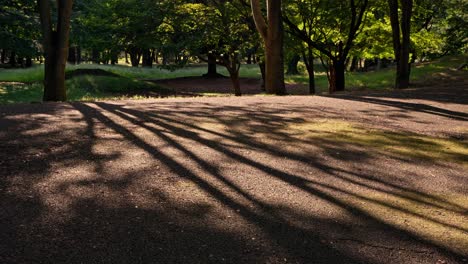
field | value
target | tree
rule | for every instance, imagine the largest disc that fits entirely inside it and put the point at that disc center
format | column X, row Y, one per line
column 272, row 34
column 401, row 31
column 55, row 41
column 225, row 31
column 331, row 28
column 19, row 30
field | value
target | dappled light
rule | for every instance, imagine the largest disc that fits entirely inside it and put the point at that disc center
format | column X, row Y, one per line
column 240, row 131
column 296, row 184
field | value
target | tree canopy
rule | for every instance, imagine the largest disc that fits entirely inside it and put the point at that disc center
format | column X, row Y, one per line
column 344, row 35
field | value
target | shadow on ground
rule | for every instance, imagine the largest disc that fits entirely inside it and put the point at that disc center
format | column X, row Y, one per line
column 174, row 182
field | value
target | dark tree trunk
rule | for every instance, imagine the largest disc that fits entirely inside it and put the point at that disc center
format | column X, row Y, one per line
column 401, row 40
column 249, row 58
column 262, row 67
column 78, row 55
column 74, row 55
column 114, row 57
column 95, row 56
column 2, row 56
column 292, row 65
column 21, row 62
column 337, row 76
column 135, row 56
column 28, row 62
column 212, row 69
column 147, row 58
column 308, row 58
column 126, row 58
column 55, row 47
column 12, row 60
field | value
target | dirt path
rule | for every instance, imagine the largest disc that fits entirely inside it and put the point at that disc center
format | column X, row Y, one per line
column 356, row 178
column 202, row 85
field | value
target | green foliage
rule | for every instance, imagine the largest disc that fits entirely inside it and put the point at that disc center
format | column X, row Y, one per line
column 81, row 88
column 19, row 27
column 23, row 85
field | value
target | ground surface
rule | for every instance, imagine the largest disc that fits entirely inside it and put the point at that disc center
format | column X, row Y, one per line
column 353, row 178
column 201, row 85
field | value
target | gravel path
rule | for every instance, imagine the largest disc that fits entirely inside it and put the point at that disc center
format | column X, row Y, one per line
column 256, row 179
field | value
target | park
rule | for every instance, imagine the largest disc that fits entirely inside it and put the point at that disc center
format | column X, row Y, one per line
column 234, row 131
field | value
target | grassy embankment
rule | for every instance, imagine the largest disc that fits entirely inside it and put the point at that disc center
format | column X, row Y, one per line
column 24, row 85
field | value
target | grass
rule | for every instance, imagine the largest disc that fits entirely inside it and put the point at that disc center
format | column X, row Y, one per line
column 422, row 147
column 82, row 88
column 24, row 85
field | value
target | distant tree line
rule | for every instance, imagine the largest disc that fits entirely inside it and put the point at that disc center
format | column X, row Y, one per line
column 345, row 35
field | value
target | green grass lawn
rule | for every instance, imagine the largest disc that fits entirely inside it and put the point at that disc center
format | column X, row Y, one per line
column 24, row 85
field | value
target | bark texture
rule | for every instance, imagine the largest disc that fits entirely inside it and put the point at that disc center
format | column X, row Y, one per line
column 272, row 33
column 55, row 40
column 401, row 31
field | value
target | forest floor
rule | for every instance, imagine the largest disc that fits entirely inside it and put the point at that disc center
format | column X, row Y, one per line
column 362, row 177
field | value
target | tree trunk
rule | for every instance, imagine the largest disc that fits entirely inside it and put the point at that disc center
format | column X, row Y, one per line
column 401, row 40
column 95, row 56
column 147, row 58
column 337, row 76
column 12, row 60
column 56, row 48
column 212, row 70
column 261, row 64
column 235, row 82
column 273, row 36
column 309, row 62
column 135, row 56
column 2, row 56
column 292, row 65
column 114, row 57
column 28, row 63
column 74, row 55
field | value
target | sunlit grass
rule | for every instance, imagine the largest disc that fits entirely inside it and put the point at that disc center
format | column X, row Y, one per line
column 399, row 144
column 24, row 85
column 81, row 88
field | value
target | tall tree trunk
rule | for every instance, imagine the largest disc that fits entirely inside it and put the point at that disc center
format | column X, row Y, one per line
column 337, row 76
column 147, row 58
column 2, row 56
column 262, row 67
column 12, row 60
column 308, row 58
column 212, row 70
column 135, row 56
column 401, row 40
column 126, row 58
column 71, row 55
column 56, row 48
column 234, row 75
column 28, row 63
column 273, row 36
column 292, row 65
column 95, row 56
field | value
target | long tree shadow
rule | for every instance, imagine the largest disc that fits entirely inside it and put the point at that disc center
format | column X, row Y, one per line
column 204, row 194
column 408, row 106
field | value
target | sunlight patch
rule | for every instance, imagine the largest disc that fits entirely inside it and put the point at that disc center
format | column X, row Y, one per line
column 411, row 145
